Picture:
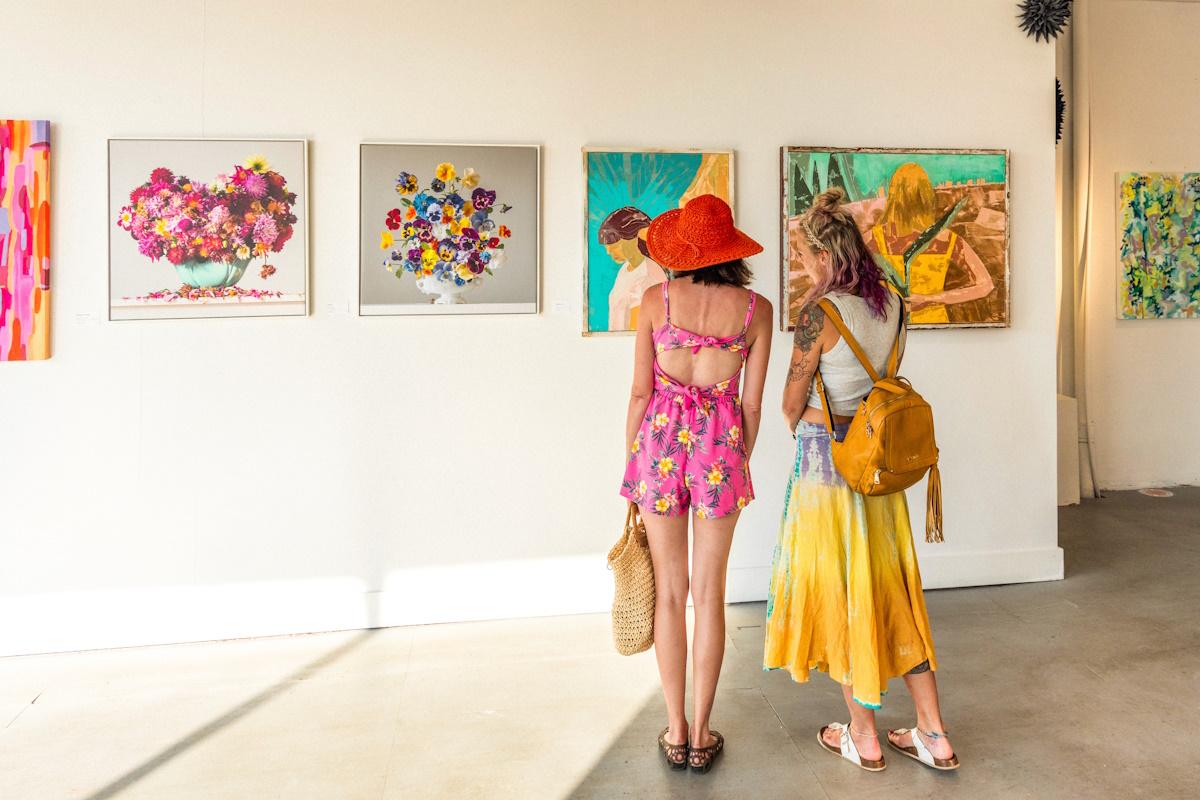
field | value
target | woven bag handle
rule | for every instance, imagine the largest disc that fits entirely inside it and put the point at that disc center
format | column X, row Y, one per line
column 633, row 522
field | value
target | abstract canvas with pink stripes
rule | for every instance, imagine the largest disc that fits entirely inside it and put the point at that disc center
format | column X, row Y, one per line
column 24, row 239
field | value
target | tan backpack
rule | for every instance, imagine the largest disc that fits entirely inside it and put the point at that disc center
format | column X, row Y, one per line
column 890, row 444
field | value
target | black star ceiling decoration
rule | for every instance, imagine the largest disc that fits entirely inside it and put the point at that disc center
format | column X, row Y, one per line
column 1060, row 110
column 1044, row 19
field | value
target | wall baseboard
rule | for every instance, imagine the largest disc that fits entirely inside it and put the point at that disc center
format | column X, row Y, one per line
column 460, row 593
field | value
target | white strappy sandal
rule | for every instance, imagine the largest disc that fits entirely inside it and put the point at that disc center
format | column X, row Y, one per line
column 919, row 751
column 846, row 748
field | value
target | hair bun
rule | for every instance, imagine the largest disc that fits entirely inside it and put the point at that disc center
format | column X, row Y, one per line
column 830, row 199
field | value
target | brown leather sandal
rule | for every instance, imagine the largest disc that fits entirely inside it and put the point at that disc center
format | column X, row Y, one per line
column 700, row 759
column 675, row 754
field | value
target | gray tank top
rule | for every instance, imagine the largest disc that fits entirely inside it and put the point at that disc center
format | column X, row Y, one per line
column 845, row 379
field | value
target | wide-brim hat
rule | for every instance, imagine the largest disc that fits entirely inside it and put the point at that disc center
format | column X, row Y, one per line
column 698, row 235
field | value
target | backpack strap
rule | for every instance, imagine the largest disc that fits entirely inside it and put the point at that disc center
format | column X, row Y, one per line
column 835, row 317
column 824, row 402
column 894, row 359
column 893, row 364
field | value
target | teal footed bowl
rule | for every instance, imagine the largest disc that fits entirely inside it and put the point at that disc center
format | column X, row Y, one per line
column 211, row 274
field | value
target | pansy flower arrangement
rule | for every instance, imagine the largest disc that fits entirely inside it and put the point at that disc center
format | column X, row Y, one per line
column 237, row 217
column 447, row 232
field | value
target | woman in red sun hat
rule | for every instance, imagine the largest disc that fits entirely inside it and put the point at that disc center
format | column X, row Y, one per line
column 689, row 435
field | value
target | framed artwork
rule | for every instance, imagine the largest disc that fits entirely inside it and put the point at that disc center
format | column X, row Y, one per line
column 449, row 229
column 24, row 240
column 623, row 191
column 936, row 221
column 207, row 228
column 1159, row 258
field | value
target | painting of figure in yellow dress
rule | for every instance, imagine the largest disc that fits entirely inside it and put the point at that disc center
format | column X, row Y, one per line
column 936, row 221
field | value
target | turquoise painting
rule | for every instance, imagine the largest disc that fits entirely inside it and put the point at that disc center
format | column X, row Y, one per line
column 625, row 191
column 1159, row 259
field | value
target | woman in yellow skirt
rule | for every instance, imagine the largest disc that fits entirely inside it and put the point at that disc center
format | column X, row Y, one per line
column 845, row 593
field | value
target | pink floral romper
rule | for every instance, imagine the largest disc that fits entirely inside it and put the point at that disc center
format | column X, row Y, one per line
column 689, row 449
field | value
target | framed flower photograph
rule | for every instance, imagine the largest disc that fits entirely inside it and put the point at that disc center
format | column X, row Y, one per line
column 207, row 228
column 449, row 229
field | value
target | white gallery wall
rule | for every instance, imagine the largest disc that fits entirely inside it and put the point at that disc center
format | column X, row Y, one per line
column 1143, row 376
column 175, row 480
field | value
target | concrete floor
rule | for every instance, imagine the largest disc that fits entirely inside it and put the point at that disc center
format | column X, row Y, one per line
column 1085, row 688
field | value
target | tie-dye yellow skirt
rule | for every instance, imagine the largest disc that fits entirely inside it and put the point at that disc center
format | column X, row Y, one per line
column 845, row 589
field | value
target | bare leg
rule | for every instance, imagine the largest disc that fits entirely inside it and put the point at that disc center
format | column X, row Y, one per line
column 923, row 688
column 710, row 557
column 862, row 728
column 669, row 552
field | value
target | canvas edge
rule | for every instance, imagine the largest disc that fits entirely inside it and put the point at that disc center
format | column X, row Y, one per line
column 785, row 295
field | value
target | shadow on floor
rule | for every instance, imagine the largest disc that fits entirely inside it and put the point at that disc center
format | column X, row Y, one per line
column 233, row 715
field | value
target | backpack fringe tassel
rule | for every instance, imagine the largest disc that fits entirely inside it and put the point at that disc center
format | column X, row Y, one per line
column 933, row 506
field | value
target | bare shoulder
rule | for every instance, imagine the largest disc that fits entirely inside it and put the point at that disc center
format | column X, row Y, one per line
column 764, row 312
column 761, row 305
column 652, row 305
column 762, row 324
column 652, row 297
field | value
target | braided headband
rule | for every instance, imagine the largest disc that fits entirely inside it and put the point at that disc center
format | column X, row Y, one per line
column 812, row 238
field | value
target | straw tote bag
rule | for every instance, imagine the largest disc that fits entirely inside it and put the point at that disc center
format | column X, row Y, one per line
column 633, row 600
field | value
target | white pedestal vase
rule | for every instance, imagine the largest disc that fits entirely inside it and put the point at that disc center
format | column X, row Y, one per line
column 447, row 292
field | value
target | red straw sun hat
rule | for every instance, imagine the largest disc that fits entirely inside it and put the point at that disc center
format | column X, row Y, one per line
column 698, row 235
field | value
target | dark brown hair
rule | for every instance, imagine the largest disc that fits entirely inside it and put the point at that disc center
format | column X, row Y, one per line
column 728, row 273
column 624, row 223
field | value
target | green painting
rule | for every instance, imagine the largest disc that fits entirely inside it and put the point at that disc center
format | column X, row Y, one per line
column 935, row 220
column 1160, row 245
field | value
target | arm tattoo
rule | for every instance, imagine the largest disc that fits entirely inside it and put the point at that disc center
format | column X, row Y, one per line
column 799, row 370
column 808, row 326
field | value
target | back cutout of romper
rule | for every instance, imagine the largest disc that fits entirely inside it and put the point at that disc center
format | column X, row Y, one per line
column 689, row 450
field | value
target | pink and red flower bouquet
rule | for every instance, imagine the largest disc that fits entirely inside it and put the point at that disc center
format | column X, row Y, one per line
column 237, row 217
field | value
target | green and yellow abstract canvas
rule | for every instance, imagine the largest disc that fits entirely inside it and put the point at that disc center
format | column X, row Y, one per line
column 1160, row 245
